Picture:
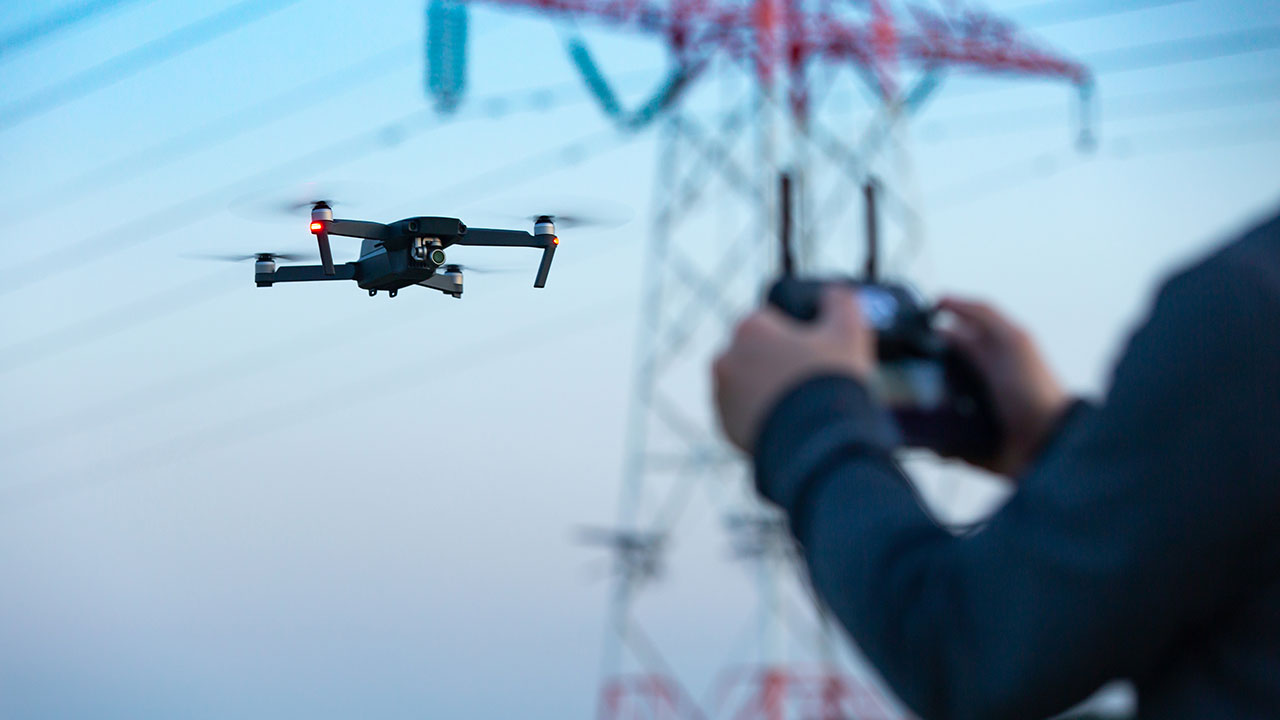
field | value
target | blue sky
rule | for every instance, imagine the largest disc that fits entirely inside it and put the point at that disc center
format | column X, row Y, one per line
column 219, row 500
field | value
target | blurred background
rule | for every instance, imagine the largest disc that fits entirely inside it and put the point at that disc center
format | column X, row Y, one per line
column 218, row 500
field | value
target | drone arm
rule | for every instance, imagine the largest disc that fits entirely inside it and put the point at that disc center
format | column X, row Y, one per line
column 544, row 267
column 305, row 273
column 322, row 226
column 358, row 229
column 485, row 237
column 326, row 252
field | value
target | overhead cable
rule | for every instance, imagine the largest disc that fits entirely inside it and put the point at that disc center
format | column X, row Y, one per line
column 1066, row 11
column 133, row 61
column 185, row 213
column 53, row 23
column 225, row 127
column 186, row 443
column 183, row 296
column 1191, row 49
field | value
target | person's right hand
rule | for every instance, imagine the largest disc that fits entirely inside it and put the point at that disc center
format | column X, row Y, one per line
column 1028, row 399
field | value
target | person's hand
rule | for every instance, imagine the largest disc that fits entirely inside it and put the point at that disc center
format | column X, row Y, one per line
column 1028, row 399
column 772, row 353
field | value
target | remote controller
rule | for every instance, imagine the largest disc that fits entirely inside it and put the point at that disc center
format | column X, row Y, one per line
column 938, row 398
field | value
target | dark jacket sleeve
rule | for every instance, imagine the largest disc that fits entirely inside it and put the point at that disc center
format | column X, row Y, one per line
column 1136, row 523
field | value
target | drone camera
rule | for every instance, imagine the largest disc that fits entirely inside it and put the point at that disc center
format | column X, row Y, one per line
column 427, row 250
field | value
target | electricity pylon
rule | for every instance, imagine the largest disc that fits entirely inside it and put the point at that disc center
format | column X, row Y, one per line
column 753, row 92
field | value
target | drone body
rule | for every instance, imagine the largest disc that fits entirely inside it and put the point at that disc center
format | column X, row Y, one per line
column 404, row 253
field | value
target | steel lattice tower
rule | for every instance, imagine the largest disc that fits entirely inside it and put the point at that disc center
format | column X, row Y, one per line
column 752, row 95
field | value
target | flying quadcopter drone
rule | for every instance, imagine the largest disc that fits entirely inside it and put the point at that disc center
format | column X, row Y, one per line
column 403, row 253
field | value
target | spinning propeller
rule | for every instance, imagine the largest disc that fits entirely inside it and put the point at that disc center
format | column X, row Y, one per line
column 572, row 220
column 458, row 267
column 260, row 257
column 278, row 202
column 568, row 212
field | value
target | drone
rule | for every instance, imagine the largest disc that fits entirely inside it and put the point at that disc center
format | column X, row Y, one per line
column 403, row 253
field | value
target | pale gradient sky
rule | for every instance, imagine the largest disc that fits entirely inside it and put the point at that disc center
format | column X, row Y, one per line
column 305, row 502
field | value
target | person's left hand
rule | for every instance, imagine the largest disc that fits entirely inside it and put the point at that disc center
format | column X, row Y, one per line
column 772, row 353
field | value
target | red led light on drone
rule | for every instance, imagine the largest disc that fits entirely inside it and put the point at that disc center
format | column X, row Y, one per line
column 317, row 226
column 555, row 241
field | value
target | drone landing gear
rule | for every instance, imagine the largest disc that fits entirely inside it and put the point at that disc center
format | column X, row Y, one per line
column 372, row 293
column 392, row 293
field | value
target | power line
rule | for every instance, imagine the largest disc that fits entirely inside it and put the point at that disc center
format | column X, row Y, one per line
column 226, row 127
column 138, row 59
column 1047, row 164
column 571, row 153
column 185, row 295
column 1130, row 106
column 1166, row 52
column 1066, row 11
column 54, row 23
column 187, row 443
column 169, row 301
column 994, row 180
column 1182, row 50
column 350, row 328
column 187, row 212
column 131, row 402
column 234, row 124
column 1184, row 139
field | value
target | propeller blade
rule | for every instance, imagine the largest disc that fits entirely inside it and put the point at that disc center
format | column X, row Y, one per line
column 272, row 209
column 291, row 201
column 481, row 270
column 566, row 212
column 580, row 220
column 229, row 257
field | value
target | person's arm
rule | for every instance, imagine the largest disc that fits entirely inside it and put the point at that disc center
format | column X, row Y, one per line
column 1132, row 527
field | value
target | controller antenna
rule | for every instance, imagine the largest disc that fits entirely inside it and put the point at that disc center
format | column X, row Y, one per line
column 784, row 232
column 871, row 270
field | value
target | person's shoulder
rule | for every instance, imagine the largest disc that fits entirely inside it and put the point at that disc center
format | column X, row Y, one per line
column 1241, row 275
column 1252, row 258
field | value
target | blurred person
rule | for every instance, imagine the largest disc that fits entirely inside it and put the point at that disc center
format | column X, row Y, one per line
column 1143, row 539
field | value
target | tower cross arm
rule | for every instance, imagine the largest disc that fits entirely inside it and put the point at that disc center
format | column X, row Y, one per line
column 1008, row 55
column 982, row 41
column 930, row 44
column 922, row 38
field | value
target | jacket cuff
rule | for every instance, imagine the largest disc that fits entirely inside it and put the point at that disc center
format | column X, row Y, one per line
column 815, row 419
